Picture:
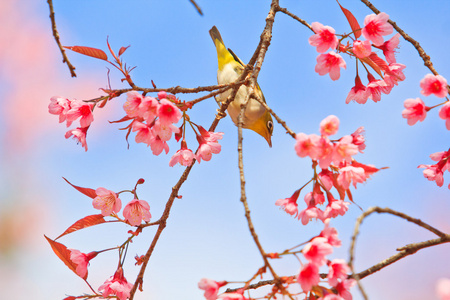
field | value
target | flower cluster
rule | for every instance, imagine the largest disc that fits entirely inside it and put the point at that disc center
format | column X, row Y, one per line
column 70, row 111
column 338, row 170
column 315, row 253
column 436, row 172
column 153, row 120
column 134, row 212
column 416, row 110
column 375, row 27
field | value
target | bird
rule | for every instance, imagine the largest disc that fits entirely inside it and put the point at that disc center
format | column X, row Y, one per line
column 256, row 117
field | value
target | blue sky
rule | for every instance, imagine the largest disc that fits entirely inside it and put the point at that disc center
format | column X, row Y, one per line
column 207, row 235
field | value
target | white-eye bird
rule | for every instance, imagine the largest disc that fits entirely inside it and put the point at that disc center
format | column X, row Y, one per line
column 256, row 117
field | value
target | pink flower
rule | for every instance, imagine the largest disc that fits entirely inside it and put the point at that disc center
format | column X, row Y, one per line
column 358, row 139
column 210, row 135
column 335, row 208
column 444, row 114
column 394, row 73
column 433, row 173
column 184, row 156
column 415, row 110
column 338, row 270
column 148, row 109
column 362, row 49
column 316, row 250
column 325, row 177
column 376, row 87
column 329, row 125
column 107, row 201
column 157, row 145
column 131, row 106
column 344, row 150
column 306, row 145
column 359, row 92
column 434, row 84
column 80, row 109
column 375, row 26
column 331, row 234
column 331, row 297
column 116, row 285
column 168, row 113
column 59, row 106
column 136, row 211
column 324, row 37
column 82, row 261
column 308, row 276
column 79, row 134
column 443, row 289
column 349, row 173
column 207, row 148
column 210, row 287
column 289, row 204
column 311, row 212
column 330, row 63
column 343, row 288
column 389, row 48
column 164, row 131
column 325, row 152
column 144, row 133
column 233, row 296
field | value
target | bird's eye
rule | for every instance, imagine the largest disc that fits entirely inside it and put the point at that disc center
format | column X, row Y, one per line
column 270, row 126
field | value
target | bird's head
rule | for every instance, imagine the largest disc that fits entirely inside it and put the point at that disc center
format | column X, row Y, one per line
column 264, row 127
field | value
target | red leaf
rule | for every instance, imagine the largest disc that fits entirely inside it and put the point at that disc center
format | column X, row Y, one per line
column 87, row 191
column 372, row 64
column 338, row 187
column 379, row 61
column 84, row 223
column 63, row 253
column 122, row 50
column 352, row 21
column 92, row 52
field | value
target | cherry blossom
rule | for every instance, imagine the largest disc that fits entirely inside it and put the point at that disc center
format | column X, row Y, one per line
column 184, row 156
column 325, row 177
column 358, row 93
column 308, row 276
column 306, row 145
column 210, row 287
column 344, row 149
column 116, row 285
column 207, row 148
column 157, row 145
column 164, row 131
column 232, row 296
column 444, row 114
column 358, row 139
column 131, row 106
column 289, row 204
column 331, row 234
column 329, row 125
column 144, row 133
column 362, row 49
column 338, row 269
column 59, row 106
column 316, row 250
column 82, row 261
column 343, row 288
column 324, row 38
column 415, row 110
column 311, row 212
column 389, row 47
column 79, row 134
column 376, row 87
column 434, row 84
column 375, row 27
column 330, row 63
column 80, row 109
column 348, row 174
column 335, row 208
column 394, row 73
column 107, row 201
column 136, row 211
column 167, row 112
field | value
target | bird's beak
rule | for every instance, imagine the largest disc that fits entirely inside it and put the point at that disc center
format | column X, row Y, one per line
column 268, row 138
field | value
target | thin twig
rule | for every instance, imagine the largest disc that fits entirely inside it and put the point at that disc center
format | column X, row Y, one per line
column 197, row 7
column 404, row 251
column 56, row 36
column 285, row 11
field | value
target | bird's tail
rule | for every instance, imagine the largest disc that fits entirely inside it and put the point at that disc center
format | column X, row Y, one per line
column 223, row 55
